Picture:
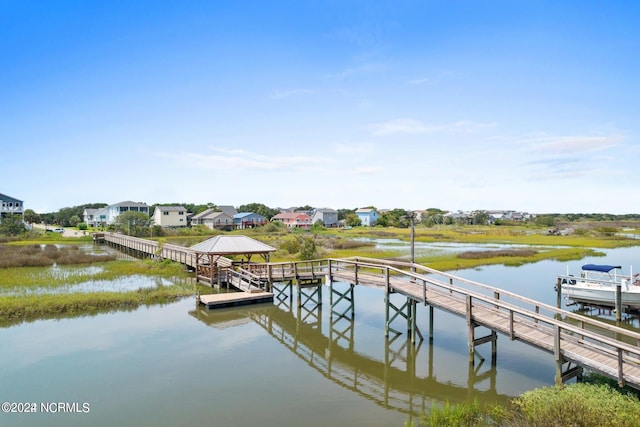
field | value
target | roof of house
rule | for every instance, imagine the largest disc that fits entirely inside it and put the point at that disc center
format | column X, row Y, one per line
column 228, row 209
column 214, row 215
column 129, row 203
column 171, row 208
column 326, row 210
column 9, row 198
column 290, row 215
column 230, row 245
column 365, row 210
column 246, row 214
column 205, row 213
column 89, row 211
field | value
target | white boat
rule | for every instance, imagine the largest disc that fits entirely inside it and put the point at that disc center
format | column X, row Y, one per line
column 597, row 285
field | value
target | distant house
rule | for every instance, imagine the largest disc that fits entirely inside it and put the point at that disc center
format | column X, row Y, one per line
column 213, row 219
column 294, row 219
column 100, row 217
column 329, row 217
column 10, row 206
column 368, row 217
column 421, row 215
column 88, row 216
column 244, row 220
column 108, row 215
column 170, row 216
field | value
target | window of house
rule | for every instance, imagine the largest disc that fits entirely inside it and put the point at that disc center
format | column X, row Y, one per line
column 165, row 213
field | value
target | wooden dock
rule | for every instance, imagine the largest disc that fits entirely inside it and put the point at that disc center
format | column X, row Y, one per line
column 231, row 299
column 571, row 338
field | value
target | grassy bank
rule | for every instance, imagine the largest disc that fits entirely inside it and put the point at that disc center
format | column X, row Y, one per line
column 581, row 404
column 18, row 304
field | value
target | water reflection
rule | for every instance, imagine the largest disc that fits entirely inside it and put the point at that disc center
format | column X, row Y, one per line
column 403, row 380
column 426, row 249
column 125, row 284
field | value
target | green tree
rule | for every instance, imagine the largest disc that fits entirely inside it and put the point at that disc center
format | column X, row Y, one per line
column 342, row 213
column 32, row 217
column 545, row 221
column 352, row 220
column 12, row 225
column 308, row 248
column 480, row 218
column 132, row 223
column 74, row 221
column 260, row 209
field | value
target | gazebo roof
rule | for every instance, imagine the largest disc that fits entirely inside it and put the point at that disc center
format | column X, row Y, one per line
column 231, row 245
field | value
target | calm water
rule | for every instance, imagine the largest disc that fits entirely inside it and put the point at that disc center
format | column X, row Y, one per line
column 272, row 365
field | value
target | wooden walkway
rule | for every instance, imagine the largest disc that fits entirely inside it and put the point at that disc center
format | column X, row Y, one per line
column 606, row 349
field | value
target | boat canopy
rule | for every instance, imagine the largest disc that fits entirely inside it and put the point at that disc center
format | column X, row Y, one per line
column 600, row 267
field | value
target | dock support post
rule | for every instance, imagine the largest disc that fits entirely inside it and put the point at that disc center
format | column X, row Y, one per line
column 559, row 293
column 557, row 355
column 430, row 323
column 386, row 313
column 472, row 328
column 618, row 302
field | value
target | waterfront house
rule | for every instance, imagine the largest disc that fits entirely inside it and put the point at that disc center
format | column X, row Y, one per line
column 329, row 217
column 244, row 220
column 89, row 216
column 368, row 216
column 214, row 220
column 108, row 215
column 294, row 219
column 170, row 216
column 10, row 205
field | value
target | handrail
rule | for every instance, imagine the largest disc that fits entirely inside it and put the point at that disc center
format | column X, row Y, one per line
column 421, row 275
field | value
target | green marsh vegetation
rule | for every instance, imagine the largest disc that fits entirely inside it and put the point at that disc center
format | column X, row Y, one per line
column 34, row 282
column 580, row 404
column 359, row 241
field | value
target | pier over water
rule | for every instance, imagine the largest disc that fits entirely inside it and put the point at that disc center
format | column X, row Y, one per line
column 575, row 341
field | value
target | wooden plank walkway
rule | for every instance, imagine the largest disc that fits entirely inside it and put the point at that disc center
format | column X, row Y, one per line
column 591, row 349
column 570, row 337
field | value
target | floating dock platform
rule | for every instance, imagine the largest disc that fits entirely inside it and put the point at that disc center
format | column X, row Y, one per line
column 232, row 299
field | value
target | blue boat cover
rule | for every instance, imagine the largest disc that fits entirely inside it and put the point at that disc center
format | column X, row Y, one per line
column 600, row 267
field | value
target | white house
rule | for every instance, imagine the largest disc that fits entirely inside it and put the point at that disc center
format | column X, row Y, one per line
column 108, row 215
column 170, row 216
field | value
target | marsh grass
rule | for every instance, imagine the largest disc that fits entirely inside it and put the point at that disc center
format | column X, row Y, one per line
column 15, row 309
column 12, row 256
column 524, row 253
column 580, row 404
column 448, row 262
column 492, row 234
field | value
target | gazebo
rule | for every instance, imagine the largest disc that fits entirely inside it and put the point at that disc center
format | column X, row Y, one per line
column 211, row 254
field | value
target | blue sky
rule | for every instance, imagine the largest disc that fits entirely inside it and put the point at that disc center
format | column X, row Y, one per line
column 529, row 105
